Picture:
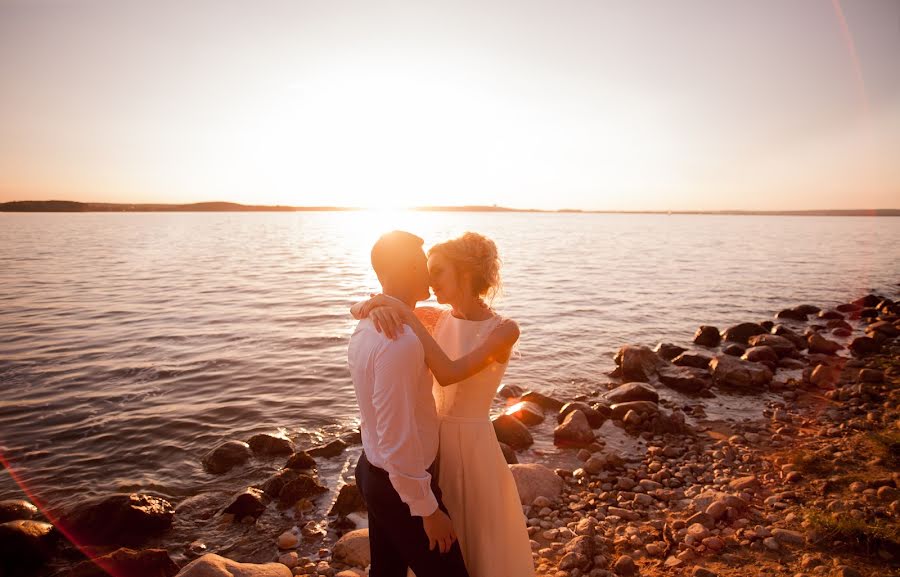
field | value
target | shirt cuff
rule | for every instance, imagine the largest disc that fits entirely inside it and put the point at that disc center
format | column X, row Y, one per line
column 423, row 507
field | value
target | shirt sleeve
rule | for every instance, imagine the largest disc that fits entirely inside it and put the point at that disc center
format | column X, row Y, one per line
column 394, row 400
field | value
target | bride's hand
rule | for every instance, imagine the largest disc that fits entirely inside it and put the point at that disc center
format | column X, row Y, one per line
column 376, row 300
column 387, row 320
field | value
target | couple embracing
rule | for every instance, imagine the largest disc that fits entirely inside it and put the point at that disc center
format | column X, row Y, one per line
column 440, row 495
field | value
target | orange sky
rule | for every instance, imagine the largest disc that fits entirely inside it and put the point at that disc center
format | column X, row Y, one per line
column 633, row 105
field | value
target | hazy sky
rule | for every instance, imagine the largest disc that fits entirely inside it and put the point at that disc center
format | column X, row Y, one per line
column 762, row 104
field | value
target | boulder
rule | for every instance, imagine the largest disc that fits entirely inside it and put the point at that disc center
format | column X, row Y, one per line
column 268, row 444
column 689, row 359
column 637, row 363
column 863, row 346
column 512, row 432
column 575, row 431
column 509, row 391
column 349, row 500
column 302, row 487
column 17, row 509
column 685, row 379
column 300, row 461
column 760, row 354
column 595, row 417
column 212, row 565
column 227, row 455
column 668, row 351
column 332, row 449
column 353, row 549
column 819, row 344
column 741, row 332
column 534, row 480
column 251, row 502
column 783, row 346
column 731, row 372
column 527, row 412
column 884, row 327
column 633, row 391
column 26, row 544
column 830, row 315
column 808, row 309
column 825, row 376
column 734, row 349
column 543, row 401
column 124, row 561
column 508, row 454
column 792, row 314
column 123, row 519
column 619, row 410
column 707, row 336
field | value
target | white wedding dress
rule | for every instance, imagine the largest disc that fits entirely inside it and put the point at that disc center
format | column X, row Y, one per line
column 478, row 488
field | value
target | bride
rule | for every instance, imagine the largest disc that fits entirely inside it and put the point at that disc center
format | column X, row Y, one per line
column 467, row 347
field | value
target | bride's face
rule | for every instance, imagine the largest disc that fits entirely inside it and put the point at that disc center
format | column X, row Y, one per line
column 445, row 282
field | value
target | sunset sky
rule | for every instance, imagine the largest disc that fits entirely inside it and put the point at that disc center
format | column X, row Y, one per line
column 625, row 105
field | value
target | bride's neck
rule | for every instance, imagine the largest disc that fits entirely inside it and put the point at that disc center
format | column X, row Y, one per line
column 471, row 309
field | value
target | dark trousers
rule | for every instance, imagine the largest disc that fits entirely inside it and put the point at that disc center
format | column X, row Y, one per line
column 397, row 539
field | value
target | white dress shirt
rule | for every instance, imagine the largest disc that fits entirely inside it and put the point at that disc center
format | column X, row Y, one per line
column 398, row 420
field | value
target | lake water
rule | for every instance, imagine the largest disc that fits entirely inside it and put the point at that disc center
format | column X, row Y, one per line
column 132, row 343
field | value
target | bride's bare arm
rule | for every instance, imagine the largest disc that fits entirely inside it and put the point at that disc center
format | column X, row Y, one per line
column 497, row 347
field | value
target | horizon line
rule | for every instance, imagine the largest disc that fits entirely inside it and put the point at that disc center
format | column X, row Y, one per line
column 227, row 206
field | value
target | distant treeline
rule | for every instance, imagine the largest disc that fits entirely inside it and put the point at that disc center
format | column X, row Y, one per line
column 72, row 206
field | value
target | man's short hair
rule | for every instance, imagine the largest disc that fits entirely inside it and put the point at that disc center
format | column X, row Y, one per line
column 391, row 246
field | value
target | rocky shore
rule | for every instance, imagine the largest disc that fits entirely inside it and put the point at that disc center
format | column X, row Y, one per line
column 809, row 485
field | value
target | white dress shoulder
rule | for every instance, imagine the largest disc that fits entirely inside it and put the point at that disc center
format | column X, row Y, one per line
column 478, row 488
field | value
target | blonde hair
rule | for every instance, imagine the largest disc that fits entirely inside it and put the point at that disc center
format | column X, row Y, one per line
column 476, row 255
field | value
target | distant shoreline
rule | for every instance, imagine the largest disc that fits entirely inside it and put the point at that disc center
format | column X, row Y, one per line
column 72, row 206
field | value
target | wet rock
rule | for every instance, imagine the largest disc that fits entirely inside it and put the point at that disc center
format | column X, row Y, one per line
column 792, row 314
column 783, row 346
column 808, row 309
column 212, row 565
column 685, row 379
column 509, row 454
column 287, row 540
column 227, row 455
column 619, row 410
column 760, row 354
column 302, row 487
column 543, row 401
column 332, row 449
column 730, row 372
column 830, row 315
column 575, row 431
column 353, row 549
column 121, row 519
column 125, row 561
column 819, row 344
column 884, row 328
column 349, row 500
column 251, row 502
column 17, row 509
column 633, row 391
column 863, row 346
column 734, row 349
column 799, row 341
column 824, row 375
column 534, row 480
column 741, row 332
column 707, row 336
column 668, row 351
column 512, row 432
column 25, row 544
column 268, row 444
column 595, row 417
column 510, row 391
column 300, row 461
column 690, row 359
column 637, row 363
column 527, row 412
column 870, row 376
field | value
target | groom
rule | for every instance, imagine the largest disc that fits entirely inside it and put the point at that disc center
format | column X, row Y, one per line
column 408, row 523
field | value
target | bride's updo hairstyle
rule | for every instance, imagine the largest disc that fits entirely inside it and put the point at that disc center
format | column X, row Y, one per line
column 475, row 255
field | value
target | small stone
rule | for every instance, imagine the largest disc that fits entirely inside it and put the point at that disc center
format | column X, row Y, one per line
column 625, row 566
